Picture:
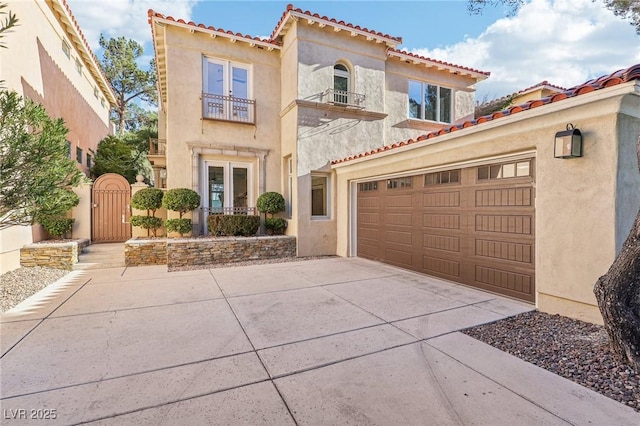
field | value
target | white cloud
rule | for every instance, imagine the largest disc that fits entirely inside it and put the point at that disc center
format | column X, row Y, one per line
column 127, row 18
column 566, row 42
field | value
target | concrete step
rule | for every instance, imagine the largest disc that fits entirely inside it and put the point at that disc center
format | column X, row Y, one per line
column 101, row 256
column 97, row 265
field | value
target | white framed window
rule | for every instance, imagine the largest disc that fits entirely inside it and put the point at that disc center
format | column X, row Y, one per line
column 228, row 187
column 320, row 196
column 66, row 48
column 96, row 93
column 341, row 83
column 78, row 66
column 227, row 90
column 430, row 102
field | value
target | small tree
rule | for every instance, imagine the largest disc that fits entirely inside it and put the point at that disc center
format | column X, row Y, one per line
column 149, row 199
column 36, row 173
column 271, row 203
column 181, row 200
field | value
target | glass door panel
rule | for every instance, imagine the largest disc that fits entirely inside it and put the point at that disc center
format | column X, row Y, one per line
column 240, row 89
column 240, row 189
column 216, row 189
column 214, row 103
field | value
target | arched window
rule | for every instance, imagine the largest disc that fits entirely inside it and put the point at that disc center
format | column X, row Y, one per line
column 341, row 83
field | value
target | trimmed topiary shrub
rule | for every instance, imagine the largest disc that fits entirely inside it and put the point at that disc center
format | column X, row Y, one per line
column 149, row 199
column 233, row 225
column 57, row 226
column 147, row 222
column 181, row 200
column 181, row 226
column 271, row 203
column 276, row 225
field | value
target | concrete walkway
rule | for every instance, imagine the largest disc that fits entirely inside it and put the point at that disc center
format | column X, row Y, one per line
column 331, row 341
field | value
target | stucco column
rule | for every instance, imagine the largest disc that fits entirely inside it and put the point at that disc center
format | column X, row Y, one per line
column 82, row 212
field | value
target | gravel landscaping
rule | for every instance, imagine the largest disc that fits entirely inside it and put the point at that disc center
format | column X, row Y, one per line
column 19, row 284
column 576, row 350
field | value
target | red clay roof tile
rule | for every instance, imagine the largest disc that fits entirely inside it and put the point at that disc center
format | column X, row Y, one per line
column 435, row 61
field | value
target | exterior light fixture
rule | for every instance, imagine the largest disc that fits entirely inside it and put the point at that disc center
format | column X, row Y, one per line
column 568, row 143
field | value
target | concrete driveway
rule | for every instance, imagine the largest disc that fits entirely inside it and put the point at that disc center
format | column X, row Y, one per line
column 331, row 341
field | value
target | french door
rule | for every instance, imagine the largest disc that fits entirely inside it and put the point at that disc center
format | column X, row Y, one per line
column 229, row 189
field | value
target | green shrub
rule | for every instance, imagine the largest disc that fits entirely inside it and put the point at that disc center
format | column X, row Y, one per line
column 276, row 225
column 181, row 200
column 270, row 202
column 57, row 226
column 182, row 226
column 238, row 225
column 147, row 199
column 147, row 222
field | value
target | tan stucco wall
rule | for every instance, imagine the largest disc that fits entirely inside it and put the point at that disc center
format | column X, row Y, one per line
column 315, row 135
column 580, row 203
column 192, row 140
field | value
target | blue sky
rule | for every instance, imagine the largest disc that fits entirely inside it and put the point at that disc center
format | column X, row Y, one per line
column 565, row 42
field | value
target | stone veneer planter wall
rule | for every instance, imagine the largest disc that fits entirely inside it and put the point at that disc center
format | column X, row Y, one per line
column 207, row 251
column 61, row 255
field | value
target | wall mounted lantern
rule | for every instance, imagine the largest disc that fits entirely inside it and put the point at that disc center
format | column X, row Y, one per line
column 568, row 143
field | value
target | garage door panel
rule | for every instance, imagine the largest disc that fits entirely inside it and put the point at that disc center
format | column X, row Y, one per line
column 399, row 237
column 398, row 219
column 507, row 282
column 504, row 250
column 441, row 221
column 399, row 257
column 503, row 197
column 441, row 267
column 504, row 223
column 399, row 201
column 441, row 199
column 441, row 242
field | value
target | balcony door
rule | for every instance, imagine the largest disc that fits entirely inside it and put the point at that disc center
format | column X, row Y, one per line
column 226, row 90
column 229, row 187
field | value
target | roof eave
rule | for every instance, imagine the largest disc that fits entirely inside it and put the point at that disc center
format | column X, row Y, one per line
column 216, row 33
column 72, row 30
column 476, row 75
column 389, row 41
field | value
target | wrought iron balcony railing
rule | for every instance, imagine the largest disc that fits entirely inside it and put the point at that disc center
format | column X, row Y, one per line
column 228, row 108
column 231, row 210
column 157, row 146
column 344, row 98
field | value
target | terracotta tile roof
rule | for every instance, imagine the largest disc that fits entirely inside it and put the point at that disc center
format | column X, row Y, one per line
column 95, row 68
column 292, row 11
column 437, row 63
column 220, row 31
column 613, row 79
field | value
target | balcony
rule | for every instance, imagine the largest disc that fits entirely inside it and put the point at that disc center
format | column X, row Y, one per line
column 157, row 146
column 228, row 108
column 344, row 98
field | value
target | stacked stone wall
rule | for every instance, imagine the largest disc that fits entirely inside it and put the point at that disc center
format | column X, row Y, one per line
column 176, row 253
column 52, row 255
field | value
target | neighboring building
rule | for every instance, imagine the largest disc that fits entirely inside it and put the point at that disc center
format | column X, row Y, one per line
column 488, row 204
column 535, row 92
column 49, row 61
column 240, row 116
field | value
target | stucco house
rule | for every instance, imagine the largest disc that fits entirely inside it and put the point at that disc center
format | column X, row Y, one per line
column 240, row 116
column 48, row 60
column 378, row 155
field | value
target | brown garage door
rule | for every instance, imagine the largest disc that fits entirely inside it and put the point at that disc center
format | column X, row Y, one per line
column 473, row 225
